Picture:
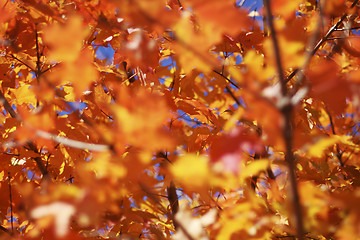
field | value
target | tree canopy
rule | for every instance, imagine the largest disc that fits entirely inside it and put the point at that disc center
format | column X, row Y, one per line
column 179, row 119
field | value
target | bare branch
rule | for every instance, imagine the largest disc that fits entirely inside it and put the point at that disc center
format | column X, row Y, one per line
column 73, row 143
column 4, row 229
column 287, row 111
column 174, row 201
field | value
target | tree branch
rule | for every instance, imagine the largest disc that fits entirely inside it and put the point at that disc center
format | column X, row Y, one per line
column 20, row 61
column 73, row 143
column 174, row 201
column 287, row 111
column 31, row 146
column 227, row 79
column 4, row 229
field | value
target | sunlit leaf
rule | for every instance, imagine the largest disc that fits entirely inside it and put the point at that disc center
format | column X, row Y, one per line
column 192, row 171
column 66, row 40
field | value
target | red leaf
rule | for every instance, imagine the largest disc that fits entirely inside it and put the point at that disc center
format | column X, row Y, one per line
column 226, row 147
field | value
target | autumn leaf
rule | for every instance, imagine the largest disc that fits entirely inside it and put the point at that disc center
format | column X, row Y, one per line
column 212, row 17
column 81, row 73
column 66, row 40
column 7, row 11
column 317, row 150
column 226, row 148
column 189, row 119
column 285, row 8
column 24, row 94
column 191, row 170
column 327, row 83
column 352, row 46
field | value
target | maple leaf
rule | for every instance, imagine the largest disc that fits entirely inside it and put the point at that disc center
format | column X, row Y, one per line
column 191, row 57
column 194, row 95
column 80, row 73
column 352, row 46
column 7, row 11
column 192, row 171
column 131, row 112
column 217, row 17
column 327, row 82
column 66, row 40
column 285, row 8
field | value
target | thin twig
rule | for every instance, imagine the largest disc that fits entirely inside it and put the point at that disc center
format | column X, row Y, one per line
column 38, row 62
column 11, row 205
column 338, row 154
column 347, row 29
column 227, row 79
column 180, row 5
column 233, row 96
column 20, row 61
column 8, row 107
column 276, row 48
column 65, row 141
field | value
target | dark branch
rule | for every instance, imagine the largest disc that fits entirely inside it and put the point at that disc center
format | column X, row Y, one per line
column 174, row 201
column 287, row 111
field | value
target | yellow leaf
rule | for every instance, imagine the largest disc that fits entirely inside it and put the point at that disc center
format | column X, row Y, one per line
column 80, row 73
column 104, row 167
column 70, row 96
column 100, row 96
column 191, row 171
column 254, row 168
column 233, row 120
column 255, row 67
column 25, row 95
column 317, row 149
column 190, row 57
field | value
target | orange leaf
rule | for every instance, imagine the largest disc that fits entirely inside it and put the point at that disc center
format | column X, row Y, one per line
column 285, row 8
column 7, row 10
column 80, row 73
column 352, row 46
column 220, row 15
column 328, row 84
column 65, row 41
